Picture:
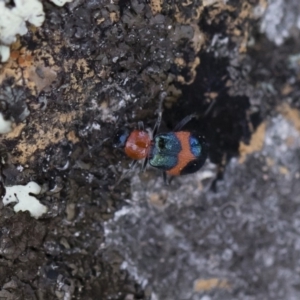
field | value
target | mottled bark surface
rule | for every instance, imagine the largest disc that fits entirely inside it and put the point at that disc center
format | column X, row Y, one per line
column 230, row 231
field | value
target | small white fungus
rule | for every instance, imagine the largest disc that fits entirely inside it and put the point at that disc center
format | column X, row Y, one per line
column 13, row 21
column 4, row 53
column 5, row 126
column 25, row 201
column 60, row 2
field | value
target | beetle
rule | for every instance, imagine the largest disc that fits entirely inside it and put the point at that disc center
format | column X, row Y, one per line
column 178, row 152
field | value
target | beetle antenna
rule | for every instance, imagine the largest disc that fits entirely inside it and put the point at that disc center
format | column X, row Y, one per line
column 184, row 121
column 141, row 125
column 162, row 97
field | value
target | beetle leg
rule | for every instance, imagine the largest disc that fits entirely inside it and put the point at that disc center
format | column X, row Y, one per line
column 145, row 162
column 97, row 147
column 165, row 178
column 123, row 176
column 188, row 118
column 209, row 107
column 133, row 164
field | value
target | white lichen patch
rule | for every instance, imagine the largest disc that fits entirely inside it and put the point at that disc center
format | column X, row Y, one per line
column 5, row 125
column 25, row 201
